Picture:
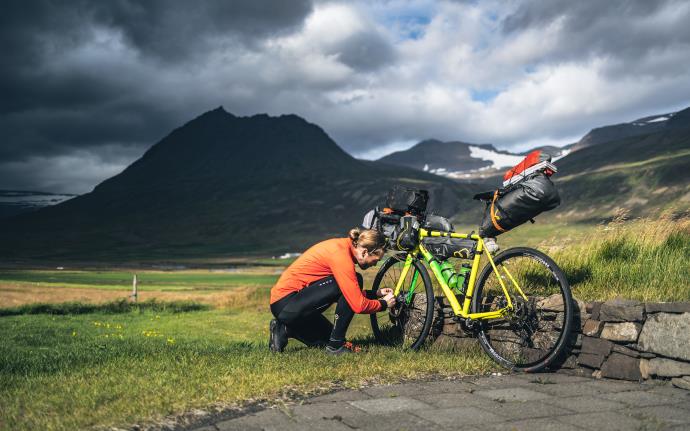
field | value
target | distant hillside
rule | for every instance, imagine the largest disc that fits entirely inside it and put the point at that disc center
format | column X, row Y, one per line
column 615, row 132
column 644, row 174
column 221, row 185
column 460, row 160
column 15, row 202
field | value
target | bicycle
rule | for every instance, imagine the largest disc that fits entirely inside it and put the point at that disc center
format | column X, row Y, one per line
column 524, row 328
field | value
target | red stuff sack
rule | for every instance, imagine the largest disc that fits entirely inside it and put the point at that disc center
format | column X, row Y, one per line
column 534, row 162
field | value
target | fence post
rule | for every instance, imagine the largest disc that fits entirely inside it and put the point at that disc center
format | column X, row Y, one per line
column 134, row 288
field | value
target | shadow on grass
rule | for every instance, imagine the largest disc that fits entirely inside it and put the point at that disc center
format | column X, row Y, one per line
column 577, row 275
column 115, row 307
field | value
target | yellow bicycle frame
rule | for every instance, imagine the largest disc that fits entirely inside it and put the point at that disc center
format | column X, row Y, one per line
column 464, row 310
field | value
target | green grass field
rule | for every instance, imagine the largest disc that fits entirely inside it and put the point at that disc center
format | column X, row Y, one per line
column 83, row 370
column 82, row 365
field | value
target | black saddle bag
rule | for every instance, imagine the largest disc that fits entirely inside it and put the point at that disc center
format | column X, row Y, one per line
column 518, row 204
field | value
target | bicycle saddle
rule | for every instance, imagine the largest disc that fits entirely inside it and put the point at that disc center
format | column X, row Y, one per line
column 484, row 196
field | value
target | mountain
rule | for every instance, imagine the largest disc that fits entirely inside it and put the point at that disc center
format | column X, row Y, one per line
column 14, row 202
column 644, row 174
column 219, row 185
column 641, row 126
column 460, row 160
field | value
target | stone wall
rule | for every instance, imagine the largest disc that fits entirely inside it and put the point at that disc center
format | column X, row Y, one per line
column 619, row 339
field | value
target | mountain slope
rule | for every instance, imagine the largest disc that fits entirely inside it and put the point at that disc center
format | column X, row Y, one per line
column 615, row 132
column 222, row 184
column 643, row 174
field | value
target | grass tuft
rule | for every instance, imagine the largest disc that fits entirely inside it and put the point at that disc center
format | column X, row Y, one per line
column 639, row 259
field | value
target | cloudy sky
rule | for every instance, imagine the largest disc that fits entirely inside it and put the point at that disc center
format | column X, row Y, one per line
column 87, row 86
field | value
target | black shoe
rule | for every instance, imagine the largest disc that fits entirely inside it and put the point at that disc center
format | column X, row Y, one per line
column 278, row 338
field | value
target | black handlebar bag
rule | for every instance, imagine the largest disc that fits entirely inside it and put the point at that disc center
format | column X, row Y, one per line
column 405, row 200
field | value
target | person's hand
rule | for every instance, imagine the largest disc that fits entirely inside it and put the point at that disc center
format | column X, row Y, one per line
column 390, row 300
column 383, row 292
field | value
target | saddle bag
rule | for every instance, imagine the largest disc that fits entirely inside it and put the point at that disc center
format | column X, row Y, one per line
column 518, row 203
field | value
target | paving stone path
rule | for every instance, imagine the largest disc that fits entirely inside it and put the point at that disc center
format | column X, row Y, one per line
column 509, row 402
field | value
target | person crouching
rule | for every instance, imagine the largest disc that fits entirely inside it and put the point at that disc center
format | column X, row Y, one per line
column 323, row 275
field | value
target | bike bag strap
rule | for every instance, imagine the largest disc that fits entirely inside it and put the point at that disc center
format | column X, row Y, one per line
column 492, row 212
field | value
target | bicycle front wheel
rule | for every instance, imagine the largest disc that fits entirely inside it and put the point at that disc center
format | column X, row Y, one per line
column 407, row 324
column 535, row 333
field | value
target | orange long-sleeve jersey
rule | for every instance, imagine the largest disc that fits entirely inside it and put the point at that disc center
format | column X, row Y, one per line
column 331, row 257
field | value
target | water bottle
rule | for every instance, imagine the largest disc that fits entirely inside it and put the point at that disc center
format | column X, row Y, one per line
column 457, row 281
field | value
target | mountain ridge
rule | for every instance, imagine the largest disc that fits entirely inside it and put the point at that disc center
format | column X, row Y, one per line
column 223, row 184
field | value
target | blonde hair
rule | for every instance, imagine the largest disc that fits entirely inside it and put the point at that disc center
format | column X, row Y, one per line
column 369, row 239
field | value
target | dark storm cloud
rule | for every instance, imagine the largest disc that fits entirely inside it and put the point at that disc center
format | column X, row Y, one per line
column 78, row 75
column 173, row 30
column 365, row 51
column 35, row 35
column 625, row 30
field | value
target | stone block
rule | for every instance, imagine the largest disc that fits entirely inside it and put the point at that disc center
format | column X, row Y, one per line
column 596, row 346
column 379, row 406
column 450, row 328
column 667, row 307
column 621, row 367
column 625, row 331
column 595, row 309
column 638, row 349
column 590, row 360
column 589, row 306
column 681, row 382
column 621, row 310
column 569, row 363
column 625, row 351
column 667, row 335
column 668, row 367
column 592, row 328
column 551, row 303
column 644, row 368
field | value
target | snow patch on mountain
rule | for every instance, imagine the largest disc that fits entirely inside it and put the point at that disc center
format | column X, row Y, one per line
column 656, row 120
column 498, row 160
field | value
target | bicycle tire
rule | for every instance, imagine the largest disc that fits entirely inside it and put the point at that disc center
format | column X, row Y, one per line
column 406, row 325
column 505, row 340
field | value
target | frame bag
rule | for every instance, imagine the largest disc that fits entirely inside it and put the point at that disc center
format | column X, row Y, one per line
column 444, row 248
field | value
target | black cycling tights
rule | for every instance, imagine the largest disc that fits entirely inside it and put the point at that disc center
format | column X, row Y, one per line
column 301, row 313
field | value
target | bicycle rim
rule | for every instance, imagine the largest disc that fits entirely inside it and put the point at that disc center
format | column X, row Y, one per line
column 535, row 333
column 408, row 323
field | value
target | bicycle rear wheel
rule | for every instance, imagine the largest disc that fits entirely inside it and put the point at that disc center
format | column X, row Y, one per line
column 535, row 333
column 407, row 324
